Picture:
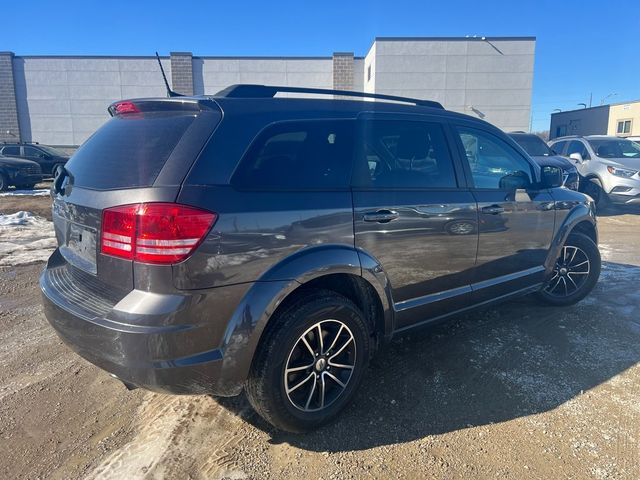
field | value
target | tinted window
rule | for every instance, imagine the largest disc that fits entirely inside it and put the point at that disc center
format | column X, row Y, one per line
column 313, row 154
column 532, row 144
column 32, row 152
column 128, row 150
column 11, row 151
column 404, row 154
column 615, row 148
column 493, row 162
column 576, row 146
column 558, row 147
column 52, row 151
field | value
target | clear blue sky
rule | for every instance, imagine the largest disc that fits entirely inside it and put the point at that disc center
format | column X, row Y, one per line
column 583, row 47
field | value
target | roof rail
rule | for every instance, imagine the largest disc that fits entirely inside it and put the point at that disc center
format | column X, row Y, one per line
column 269, row 91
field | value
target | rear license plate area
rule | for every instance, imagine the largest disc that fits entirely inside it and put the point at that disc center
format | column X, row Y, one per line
column 80, row 247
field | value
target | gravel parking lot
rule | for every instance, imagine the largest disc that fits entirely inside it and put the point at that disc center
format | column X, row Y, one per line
column 515, row 391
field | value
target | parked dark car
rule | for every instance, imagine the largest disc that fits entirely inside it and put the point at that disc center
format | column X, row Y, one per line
column 544, row 156
column 50, row 159
column 214, row 243
column 18, row 172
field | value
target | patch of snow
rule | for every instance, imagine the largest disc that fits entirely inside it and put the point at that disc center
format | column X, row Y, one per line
column 25, row 238
column 40, row 192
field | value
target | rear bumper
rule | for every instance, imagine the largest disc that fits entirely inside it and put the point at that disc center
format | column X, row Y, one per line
column 165, row 343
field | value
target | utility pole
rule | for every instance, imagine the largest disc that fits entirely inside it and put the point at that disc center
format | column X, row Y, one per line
column 590, row 99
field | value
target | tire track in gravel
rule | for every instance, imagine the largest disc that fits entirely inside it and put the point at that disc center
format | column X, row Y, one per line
column 178, row 437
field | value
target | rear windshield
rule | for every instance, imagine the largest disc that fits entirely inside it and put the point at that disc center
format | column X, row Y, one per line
column 128, row 150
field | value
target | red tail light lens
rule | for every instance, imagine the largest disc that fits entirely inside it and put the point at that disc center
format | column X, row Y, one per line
column 163, row 233
column 126, row 107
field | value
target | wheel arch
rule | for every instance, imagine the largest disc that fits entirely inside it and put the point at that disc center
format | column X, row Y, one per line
column 338, row 268
column 580, row 219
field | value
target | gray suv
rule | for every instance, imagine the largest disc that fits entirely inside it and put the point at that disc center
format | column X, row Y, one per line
column 610, row 165
column 244, row 241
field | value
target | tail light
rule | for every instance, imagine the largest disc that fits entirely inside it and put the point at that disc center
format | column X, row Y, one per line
column 126, row 107
column 163, row 233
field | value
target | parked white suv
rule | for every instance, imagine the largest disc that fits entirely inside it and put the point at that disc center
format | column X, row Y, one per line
column 608, row 165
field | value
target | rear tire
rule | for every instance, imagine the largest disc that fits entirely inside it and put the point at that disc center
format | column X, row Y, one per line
column 301, row 379
column 55, row 171
column 575, row 273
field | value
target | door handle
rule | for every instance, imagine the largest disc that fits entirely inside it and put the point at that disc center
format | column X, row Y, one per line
column 493, row 210
column 381, row 216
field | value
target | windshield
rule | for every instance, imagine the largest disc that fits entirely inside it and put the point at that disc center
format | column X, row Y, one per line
column 533, row 145
column 52, row 151
column 619, row 148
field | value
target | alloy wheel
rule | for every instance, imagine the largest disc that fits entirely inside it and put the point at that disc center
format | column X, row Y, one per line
column 570, row 272
column 320, row 365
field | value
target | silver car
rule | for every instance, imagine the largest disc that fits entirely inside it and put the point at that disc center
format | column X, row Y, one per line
column 610, row 166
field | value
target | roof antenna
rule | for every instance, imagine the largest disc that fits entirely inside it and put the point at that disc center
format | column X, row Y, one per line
column 170, row 93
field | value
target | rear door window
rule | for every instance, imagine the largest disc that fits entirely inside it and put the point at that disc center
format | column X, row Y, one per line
column 128, row 150
column 404, row 154
column 299, row 155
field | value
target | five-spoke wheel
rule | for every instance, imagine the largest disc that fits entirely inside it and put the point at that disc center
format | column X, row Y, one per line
column 575, row 272
column 310, row 362
column 320, row 365
column 571, row 271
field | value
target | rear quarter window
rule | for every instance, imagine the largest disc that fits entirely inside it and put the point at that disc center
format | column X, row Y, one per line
column 299, row 155
column 128, row 150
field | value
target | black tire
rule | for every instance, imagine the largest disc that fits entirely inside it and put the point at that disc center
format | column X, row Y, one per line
column 54, row 170
column 4, row 182
column 593, row 188
column 265, row 387
column 26, row 187
column 565, row 288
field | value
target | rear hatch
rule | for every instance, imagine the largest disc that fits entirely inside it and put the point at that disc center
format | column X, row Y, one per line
column 139, row 156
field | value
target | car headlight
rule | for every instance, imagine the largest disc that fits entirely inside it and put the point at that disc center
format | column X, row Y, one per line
column 621, row 172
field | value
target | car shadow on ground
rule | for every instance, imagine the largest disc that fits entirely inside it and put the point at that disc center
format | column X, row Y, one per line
column 612, row 210
column 489, row 366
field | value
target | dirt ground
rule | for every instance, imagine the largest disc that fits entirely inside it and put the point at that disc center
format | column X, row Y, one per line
column 515, row 391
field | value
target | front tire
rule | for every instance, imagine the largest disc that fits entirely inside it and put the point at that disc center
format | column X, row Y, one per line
column 310, row 363
column 575, row 273
column 594, row 189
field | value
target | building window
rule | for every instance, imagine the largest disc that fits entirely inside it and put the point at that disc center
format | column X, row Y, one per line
column 369, row 73
column 624, row 127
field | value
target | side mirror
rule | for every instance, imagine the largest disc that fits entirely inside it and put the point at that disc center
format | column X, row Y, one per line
column 515, row 181
column 552, row 177
column 577, row 157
